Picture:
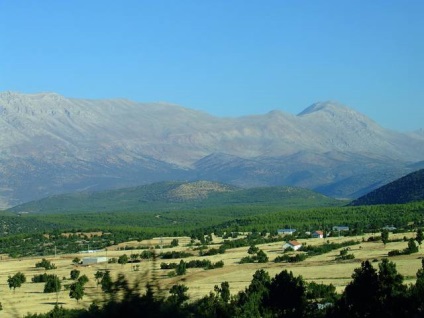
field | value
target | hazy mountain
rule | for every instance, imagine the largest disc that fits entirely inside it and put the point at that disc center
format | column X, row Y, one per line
column 406, row 189
column 50, row 144
column 166, row 196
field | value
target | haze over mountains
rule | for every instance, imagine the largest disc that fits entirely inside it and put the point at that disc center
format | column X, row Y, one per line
column 50, row 144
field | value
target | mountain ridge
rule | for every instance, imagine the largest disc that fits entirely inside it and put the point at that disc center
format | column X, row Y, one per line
column 53, row 144
column 407, row 189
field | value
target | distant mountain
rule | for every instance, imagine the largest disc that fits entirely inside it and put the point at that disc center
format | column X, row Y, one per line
column 165, row 196
column 50, row 144
column 406, row 189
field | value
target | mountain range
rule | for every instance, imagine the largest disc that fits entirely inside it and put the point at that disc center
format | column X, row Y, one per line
column 50, row 144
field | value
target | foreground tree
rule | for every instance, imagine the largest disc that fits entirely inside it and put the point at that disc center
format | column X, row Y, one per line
column 360, row 298
column 178, row 294
column 287, row 295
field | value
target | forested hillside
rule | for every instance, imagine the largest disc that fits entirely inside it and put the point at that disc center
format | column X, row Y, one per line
column 165, row 196
column 406, row 189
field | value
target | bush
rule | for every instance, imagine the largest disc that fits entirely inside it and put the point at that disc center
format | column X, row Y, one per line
column 46, row 264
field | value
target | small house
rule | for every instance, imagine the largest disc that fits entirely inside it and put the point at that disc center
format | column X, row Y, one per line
column 340, row 228
column 93, row 260
column 389, row 228
column 318, row 234
column 295, row 245
column 286, row 231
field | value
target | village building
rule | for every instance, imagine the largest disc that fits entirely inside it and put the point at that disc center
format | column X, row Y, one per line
column 318, row 234
column 285, row 231
column 86, row 261
column 340, row 228
column 295, row 245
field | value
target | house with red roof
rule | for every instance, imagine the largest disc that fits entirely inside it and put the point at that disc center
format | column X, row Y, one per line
column 318, row 234
column 295, row 245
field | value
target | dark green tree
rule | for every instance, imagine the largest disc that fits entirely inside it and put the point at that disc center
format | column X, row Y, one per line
column 417, row 291
column 223, row 291
column 261, row 257
column 76, row 291
column 52, row 285
column 253, row 249
column 83, row 280
column 181, row 268
column 361, row 295
column 420, row 236
column 412, row 247
column 107, row 283
column 123, row 259
column 75, row 274
column 46, row 264
column 174, row 243
column 385, row 236
column 178, row 294
column 98, row 276
column 16, row 280
column 287, row 295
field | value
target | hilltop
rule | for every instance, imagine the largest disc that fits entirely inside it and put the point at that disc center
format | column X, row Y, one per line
column 165, row 196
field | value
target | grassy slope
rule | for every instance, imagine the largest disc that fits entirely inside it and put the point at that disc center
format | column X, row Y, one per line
column 168, row 196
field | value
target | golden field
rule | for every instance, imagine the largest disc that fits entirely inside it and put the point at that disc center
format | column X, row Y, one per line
column 323, row 269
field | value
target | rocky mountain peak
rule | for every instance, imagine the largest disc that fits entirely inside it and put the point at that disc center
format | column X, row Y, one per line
column 52, row 144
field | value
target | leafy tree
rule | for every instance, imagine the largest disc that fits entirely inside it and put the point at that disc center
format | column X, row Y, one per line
column 16, row 280
column 46, row 264
column 287, row 295
column 83, row 280
column 360, row 298
column 253, row 249
column 412, row 247
column 385, row 236
column 417, row 290
column 76, row 291
column 181, row 268
column 390, row 281
column 174, row 243
column 223, row 291
column 98, row 276
column 326, row 293
column 53, row 285
column 106, row 282
column 76, row 260
column 391, row 290
column 123, row 259
column 178, row 294
column 75, row 274
column 420, row 236
column 134, row 257
column 262, row 257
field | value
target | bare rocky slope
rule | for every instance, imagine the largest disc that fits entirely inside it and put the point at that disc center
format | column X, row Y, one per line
column 50, row 144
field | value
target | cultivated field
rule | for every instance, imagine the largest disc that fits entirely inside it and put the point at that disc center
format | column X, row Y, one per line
column 322, row 269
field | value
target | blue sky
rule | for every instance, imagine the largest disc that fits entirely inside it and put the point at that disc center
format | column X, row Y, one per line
column 228, row 58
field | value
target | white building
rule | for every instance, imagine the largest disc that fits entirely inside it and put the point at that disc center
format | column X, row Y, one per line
column 93, row 260
column 295, row 245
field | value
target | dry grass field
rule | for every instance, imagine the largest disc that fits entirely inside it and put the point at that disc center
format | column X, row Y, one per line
column 322, row 269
